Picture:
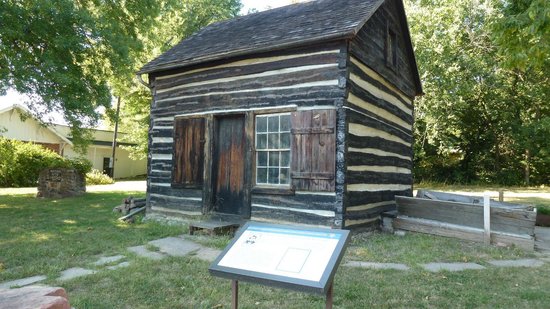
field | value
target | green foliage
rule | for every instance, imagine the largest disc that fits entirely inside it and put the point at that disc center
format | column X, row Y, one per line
column 522, row 34
column 480, row 121
column 80, row 164
column 70, row 56
column 95, row 177
column 21, row 163
column 544, row 210
column 180, row 19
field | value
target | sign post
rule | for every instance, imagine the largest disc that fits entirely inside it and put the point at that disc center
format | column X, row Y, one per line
column 296, row 258
column 234, row 294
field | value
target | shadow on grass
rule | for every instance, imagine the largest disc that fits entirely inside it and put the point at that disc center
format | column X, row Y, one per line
column 45, row 236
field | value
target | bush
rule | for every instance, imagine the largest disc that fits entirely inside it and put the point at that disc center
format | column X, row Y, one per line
column 82, row 165
column 95, row 177
column 21, row 163
column 544, row 210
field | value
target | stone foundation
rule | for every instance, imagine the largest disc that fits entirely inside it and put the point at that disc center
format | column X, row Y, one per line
column 60, row 182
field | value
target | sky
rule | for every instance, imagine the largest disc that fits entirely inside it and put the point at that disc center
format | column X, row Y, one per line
column 13, row 97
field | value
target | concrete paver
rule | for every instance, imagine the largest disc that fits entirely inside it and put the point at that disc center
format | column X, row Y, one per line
column 207, row 254
column 75, row 272
column 143, row 252
column 22, row 282
column 435, row 267
column 517, row 263
column 361, row 264
column 121, row 265
column 108, row 259
column 175, row 246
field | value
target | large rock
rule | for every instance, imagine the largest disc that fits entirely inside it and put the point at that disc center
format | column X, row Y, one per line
column 34, row 297
column 60, row 182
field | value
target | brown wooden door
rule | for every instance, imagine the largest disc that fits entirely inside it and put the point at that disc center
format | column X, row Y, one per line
column 228, row 164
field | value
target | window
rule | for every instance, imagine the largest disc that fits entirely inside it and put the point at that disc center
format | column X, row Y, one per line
column 188, row 159
column 272, row 140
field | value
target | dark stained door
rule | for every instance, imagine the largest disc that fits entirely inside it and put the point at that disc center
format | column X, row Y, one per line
column 229, row 154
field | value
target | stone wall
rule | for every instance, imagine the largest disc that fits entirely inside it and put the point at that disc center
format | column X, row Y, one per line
column 60, row 182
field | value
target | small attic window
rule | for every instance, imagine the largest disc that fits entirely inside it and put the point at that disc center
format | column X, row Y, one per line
column 391, row 49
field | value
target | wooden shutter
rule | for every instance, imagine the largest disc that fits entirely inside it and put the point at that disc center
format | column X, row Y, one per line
column 313, row 150
column 188, row 160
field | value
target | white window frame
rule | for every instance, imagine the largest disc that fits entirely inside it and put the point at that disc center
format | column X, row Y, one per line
column 269, row 150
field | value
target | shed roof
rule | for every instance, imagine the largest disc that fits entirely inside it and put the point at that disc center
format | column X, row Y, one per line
column 288, row 26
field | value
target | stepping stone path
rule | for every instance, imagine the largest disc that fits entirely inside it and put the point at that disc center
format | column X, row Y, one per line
column 435, row 267
column 377, row 265
column 517, row 263
column 108, row 260
column 169, row 246
column 175, row 246
column 178, row 246
column 143, row 252
column 75, row 272
column 207, row 254
column 22, row 282
column 121, row 265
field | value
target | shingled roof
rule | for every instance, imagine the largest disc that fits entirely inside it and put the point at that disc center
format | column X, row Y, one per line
column 288, row 26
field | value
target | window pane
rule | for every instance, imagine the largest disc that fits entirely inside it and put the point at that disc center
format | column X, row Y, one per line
column 285, row 159
column 273, row 124
column 273, row 159
column 273, row 133
column 274, row 141
column 285, row 176
column 262, row 159
column 261, row 175
column 285, row 123
column 261, row 141
column 273, row 177
column 261, row 124
column 285, row 140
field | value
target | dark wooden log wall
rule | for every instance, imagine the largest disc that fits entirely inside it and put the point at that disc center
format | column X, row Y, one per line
column 309, row 78
column 379, row 115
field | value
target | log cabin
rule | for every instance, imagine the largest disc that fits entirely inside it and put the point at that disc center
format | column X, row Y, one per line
column 301, row 114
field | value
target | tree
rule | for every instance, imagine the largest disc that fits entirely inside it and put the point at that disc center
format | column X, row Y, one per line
column 69, row 56
column 479, row 119
column 522, row 34
column 177, row 20
column 522, row 37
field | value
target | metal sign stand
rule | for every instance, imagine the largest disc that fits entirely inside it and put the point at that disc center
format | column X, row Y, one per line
column 234, row 294
column 297, row 258
column 328, row 302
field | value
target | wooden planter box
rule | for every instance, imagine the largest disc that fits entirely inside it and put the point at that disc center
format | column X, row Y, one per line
column 543, row 220
column 510, row 225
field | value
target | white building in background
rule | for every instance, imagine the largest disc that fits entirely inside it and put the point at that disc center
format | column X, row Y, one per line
column 57, row 138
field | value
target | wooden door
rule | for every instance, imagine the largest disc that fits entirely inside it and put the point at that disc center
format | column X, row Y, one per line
column 228, row 164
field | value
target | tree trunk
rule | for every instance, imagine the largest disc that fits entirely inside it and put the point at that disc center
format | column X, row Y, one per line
column 527, row 166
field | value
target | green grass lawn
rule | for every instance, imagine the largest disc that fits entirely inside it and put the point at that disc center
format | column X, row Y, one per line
column 46, row 236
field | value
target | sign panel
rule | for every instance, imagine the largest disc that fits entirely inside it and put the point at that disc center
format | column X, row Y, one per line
column 285, row 256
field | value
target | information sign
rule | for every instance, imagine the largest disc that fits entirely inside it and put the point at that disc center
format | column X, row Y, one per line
column 297, row 258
